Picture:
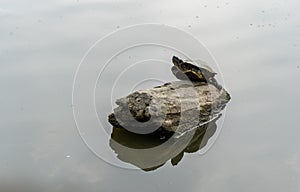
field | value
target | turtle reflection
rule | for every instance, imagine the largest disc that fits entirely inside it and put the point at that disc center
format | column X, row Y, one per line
column 149, row 152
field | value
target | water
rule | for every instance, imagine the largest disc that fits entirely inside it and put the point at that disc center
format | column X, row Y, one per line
column 255, row 43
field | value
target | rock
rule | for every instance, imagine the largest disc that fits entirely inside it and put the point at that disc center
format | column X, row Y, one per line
column 174, row 107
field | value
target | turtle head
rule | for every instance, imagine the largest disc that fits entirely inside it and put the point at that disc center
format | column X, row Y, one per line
column 176, row 61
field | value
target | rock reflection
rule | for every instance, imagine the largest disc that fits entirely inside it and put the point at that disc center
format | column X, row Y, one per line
column 151, row 151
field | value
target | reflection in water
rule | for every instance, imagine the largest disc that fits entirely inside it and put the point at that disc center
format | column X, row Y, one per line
column 149, row 152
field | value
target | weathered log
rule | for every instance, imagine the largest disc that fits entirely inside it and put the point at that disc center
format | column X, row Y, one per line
column 176, row 107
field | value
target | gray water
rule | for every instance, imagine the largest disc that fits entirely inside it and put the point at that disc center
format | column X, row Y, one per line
column 256, row 44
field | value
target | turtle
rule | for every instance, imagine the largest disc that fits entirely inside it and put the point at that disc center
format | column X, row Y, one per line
column 185, row 70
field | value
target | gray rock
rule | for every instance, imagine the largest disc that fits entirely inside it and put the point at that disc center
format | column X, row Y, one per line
column 176, row 107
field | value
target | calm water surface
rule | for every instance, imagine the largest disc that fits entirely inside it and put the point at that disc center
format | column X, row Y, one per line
column 255, row 43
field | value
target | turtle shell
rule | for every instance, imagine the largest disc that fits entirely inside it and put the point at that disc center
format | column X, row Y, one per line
column 188, row 74
column 183, row 70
